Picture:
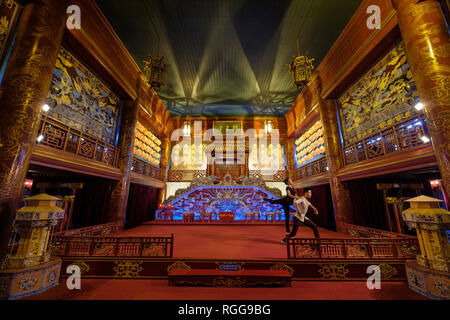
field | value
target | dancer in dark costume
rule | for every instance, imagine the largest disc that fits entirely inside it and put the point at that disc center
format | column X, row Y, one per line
column 286, row 202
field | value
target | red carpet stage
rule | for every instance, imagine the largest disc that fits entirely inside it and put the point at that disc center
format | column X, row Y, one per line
column 110, row 289
column 226, row 241
column 251, row 252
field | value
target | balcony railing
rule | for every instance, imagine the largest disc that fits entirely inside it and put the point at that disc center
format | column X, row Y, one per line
column 62, row 137
column 186, row 175
column 311, row 169
column 97, row 230
column 146, row 169
column 142, row 247
column 357, row 248
column 365, row 232
column 401, row 136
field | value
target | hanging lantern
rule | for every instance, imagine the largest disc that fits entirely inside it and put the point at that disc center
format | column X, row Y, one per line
column 301, row 69
column 155, row 71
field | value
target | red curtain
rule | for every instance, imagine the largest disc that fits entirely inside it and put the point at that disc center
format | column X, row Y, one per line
column 142, row 205
column 91, row 203
column 368, row 204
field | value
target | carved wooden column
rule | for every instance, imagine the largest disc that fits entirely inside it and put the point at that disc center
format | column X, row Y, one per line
column 427, row 43
column 165, row 165
column 340, row 194
column 25, row 86
column 290, row 158
column 119, row 196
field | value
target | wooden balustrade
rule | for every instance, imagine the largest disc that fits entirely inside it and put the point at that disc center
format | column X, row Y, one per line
column 401, row 136
column 142, row 247
column 146, row 169
column 97, row 230
column 365, row 232
column 186, row 175
column 359, row 248
column 56, row 134
column 311, row 169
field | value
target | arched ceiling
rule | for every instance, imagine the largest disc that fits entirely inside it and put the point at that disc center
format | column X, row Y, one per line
column 228, row 57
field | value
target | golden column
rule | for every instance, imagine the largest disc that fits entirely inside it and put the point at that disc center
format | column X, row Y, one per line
column 119, row 196
column 290, row 158
column 427, row 43
column 330, row 125
column 165, row 165
column 25, row 86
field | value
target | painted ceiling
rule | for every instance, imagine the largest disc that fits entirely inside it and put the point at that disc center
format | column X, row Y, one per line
column 228, row 58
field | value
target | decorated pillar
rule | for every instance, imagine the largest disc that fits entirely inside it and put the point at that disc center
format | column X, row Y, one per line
column 290, row 158
column 25, row 85
column 119, row 196
column 340, row 194
column 427, row 42
column 165, row 165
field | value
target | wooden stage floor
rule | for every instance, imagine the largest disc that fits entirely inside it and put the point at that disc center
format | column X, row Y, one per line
column 226, row 241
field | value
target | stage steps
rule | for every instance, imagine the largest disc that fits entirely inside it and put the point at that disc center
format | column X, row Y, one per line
column 230, row 279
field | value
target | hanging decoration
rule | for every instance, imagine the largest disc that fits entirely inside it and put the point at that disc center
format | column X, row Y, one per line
column 155, row 70
column 301, row 69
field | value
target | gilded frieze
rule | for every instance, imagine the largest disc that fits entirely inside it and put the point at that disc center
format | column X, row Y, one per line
column 81, row 100
column 9, row 10
column 386, row 94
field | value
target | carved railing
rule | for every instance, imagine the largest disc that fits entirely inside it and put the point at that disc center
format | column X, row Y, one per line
column 365, row 232
column 146, row 169
column 311, row 169
column 98, row 230
column 62, row 137
column 186, row 175
column 141, row 247
column 361, row 248
column 401, row 136
column 280, row 175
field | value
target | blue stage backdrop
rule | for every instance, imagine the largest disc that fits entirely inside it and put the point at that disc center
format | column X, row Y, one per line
column 236, row 199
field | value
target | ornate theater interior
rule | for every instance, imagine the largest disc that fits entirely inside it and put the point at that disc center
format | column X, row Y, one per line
column 163, row 149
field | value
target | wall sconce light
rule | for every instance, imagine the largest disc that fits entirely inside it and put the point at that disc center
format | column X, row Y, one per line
column 187, row 128
column 268, row 126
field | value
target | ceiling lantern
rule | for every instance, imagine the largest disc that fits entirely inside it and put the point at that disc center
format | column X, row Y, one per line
column 301, row 69
column 155, row 71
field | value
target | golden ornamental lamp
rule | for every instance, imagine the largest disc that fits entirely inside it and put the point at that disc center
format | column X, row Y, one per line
column 301, row 69
column 29, row 268
column 429, row 273
column 155, row 71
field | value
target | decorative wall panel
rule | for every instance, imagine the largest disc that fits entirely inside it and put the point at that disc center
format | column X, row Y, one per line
column 9, row 11
column 147, row 146
column 310, row 145
column 81, row 100
column 385, row 95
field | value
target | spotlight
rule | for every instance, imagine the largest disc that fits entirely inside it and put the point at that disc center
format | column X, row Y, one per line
column 327, row 169
column 39, row 139
column 425, row 139
column 45, row 107
column 419, row 106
